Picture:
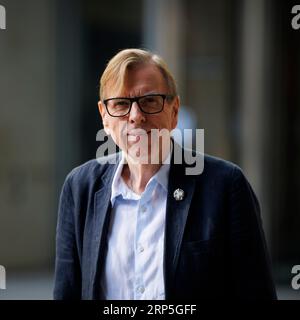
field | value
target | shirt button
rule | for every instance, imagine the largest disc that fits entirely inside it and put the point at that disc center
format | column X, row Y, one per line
column 143, row 209
column 141, row 289
column 141, row 249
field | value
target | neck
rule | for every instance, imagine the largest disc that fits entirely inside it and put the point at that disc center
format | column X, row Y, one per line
column 136, row 175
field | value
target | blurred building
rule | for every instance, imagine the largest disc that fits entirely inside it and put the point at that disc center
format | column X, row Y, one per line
column 238, row 67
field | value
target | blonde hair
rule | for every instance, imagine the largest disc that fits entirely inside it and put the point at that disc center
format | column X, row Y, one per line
column 117, row 68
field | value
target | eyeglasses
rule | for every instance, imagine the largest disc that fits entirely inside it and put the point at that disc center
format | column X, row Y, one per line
column 150, row 104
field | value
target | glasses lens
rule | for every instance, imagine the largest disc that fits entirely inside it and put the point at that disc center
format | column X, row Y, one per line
column 151, row 104
column 118, row 107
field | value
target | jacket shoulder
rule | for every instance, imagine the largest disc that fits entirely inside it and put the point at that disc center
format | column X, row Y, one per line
column 221, row 165
column 91, row 171
column 210, row 164
column 218, row 169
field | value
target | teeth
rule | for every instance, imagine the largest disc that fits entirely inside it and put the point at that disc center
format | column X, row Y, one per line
column 132, row 138
column 138, row 132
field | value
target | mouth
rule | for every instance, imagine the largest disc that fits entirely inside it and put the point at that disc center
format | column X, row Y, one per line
column 138, row 132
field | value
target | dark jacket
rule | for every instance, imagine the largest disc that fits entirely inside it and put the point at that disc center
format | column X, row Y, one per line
column 214, row 241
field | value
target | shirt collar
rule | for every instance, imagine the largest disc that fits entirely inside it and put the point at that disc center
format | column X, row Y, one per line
column 119, row 187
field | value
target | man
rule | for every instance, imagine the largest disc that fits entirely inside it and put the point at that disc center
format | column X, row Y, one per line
column 132, row 228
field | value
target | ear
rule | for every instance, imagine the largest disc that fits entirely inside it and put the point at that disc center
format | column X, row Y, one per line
column 104, row 117
column 175, row 111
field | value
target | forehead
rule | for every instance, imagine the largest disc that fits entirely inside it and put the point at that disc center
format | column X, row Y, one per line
column 141, row 79
column 144, row 73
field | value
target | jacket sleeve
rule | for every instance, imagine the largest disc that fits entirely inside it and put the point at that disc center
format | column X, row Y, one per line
column 251, row 276
column 67, row 279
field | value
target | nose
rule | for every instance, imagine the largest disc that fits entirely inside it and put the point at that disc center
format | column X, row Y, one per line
column 136, row 115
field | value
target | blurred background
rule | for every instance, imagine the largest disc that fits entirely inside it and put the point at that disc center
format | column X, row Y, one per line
column 237, row 63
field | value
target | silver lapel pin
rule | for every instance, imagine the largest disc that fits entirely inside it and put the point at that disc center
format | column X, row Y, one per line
column 178, row 194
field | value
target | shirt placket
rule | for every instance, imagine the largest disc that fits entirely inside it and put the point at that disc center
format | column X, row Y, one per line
column 140, row 247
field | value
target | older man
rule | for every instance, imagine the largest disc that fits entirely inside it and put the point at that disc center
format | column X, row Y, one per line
column 133, row 228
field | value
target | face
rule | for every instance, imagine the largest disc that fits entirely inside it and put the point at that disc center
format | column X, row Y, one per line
column 132, row 133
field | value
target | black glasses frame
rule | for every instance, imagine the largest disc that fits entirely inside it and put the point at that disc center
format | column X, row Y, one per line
column 136, row 99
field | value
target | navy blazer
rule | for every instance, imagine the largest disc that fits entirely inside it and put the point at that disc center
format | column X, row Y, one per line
column 214, row 240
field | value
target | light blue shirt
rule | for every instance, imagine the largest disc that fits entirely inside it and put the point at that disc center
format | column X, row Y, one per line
column 133, row 269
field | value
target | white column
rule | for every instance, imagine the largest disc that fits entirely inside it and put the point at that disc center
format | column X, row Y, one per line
column 252, row 99
column 163, row 31
column 27, row 81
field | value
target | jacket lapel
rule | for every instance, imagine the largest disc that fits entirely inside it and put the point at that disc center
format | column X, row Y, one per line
column 176, row 217
column 102, row 208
